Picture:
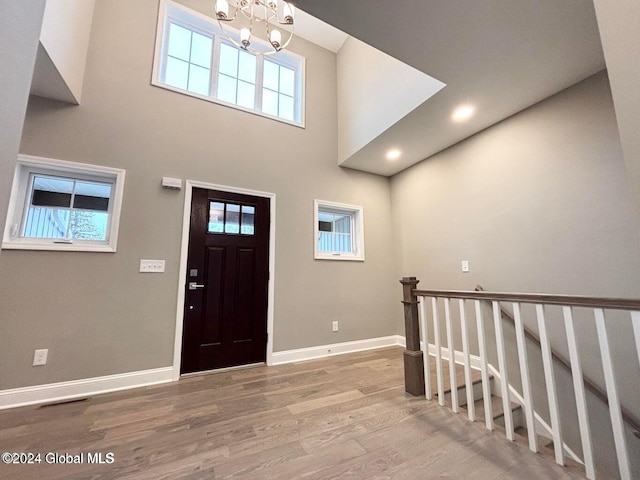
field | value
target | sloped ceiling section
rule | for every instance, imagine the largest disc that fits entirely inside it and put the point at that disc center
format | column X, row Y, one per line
column 501, row 57
column 62, row 53
column 48, row 81
column 374, row 92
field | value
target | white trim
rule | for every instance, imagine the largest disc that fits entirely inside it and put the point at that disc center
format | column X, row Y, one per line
column 184, row 250
column 542, row 427
column 322, row 351
column 55, row 392
column 357, row 226
column 27, row 164
column 206, row 25
column 458, row 358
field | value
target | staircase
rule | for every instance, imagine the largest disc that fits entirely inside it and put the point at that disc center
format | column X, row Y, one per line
column 444, row 326
column 497, row 412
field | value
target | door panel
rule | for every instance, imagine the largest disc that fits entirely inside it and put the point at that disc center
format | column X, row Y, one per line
column 243, row 327
column 214, row 301
column 225, row 320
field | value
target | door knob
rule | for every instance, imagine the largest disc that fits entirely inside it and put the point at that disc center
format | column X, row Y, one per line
column 195, row 285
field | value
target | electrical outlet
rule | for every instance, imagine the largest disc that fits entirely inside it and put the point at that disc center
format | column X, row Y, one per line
column 40, row 357
column 335, row 326
column 465, row 266
column 151, row 266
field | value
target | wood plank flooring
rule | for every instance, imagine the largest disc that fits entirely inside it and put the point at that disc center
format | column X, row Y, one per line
column 345, row 417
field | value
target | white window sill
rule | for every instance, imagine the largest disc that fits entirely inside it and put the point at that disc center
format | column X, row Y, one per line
column 343, row 257
column 207, row 98
column 59, row 247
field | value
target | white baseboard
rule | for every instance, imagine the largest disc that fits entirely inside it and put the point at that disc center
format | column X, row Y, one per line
column 321, row 351
column 459, row 356
column 55, row 392
column 62, row 391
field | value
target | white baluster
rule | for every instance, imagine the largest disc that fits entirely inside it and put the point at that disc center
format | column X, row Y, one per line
column 581, row 401
column 436, row 334
column 526, row 380
column 486, row 388
column 635, row 320
column 425, row 347
column 471, row 410
column 614, row 399
column 502, row 365
column 550, row 381
column 452, row 356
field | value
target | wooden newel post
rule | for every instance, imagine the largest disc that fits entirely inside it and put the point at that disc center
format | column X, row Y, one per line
column 413, row 358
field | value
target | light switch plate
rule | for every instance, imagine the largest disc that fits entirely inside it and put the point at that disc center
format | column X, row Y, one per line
column 465, row 266
column 152, row 266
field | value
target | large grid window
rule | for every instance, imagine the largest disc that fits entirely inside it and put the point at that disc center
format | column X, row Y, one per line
column 188, row 60
column 194, row 57
column 237, row 76
column 339, row 233
column 59, row 205
column 278, row 90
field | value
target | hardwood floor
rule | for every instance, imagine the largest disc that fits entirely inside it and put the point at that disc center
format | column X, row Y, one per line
column 345, row 417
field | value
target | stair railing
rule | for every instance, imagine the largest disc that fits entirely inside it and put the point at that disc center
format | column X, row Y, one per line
column 628, row 417
column 417, row 370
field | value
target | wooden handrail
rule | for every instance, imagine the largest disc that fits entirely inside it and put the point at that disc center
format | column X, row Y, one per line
column 563, row 300
column 548, row 299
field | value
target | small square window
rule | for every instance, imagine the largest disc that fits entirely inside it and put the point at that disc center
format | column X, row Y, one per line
column 58, row 205
column 339, row 232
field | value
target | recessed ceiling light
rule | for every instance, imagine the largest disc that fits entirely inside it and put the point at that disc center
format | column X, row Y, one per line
column 463, row 112
column 393, row 154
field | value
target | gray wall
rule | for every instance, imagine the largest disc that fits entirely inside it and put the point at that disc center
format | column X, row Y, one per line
column 538, row 203
column 20, row 26
column 95, row 312
column 618, row 25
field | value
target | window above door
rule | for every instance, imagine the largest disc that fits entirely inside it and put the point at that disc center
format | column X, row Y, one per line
column 194, row 57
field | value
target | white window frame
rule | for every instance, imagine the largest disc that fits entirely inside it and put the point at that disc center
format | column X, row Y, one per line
column 357, row 228
column 26, row 167
column 170, row 11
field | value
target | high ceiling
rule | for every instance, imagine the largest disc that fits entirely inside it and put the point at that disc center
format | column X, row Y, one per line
column 500, row 56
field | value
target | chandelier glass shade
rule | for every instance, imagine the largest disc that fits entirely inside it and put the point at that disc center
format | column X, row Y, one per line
column 267, row 13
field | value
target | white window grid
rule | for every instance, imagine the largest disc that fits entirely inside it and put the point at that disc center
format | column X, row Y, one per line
column 171, row 12
column 34, row 173
column 354, row 238
column 29, row 166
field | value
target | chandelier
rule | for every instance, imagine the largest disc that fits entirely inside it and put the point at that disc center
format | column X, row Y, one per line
column 255, row 12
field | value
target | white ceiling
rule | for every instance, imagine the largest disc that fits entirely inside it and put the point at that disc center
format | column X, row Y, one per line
column 501, row 56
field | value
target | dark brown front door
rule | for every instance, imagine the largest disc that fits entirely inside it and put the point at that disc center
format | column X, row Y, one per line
column 225, row 312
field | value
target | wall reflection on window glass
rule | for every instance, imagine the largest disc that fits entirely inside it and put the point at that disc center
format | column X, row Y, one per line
column 231, row 218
